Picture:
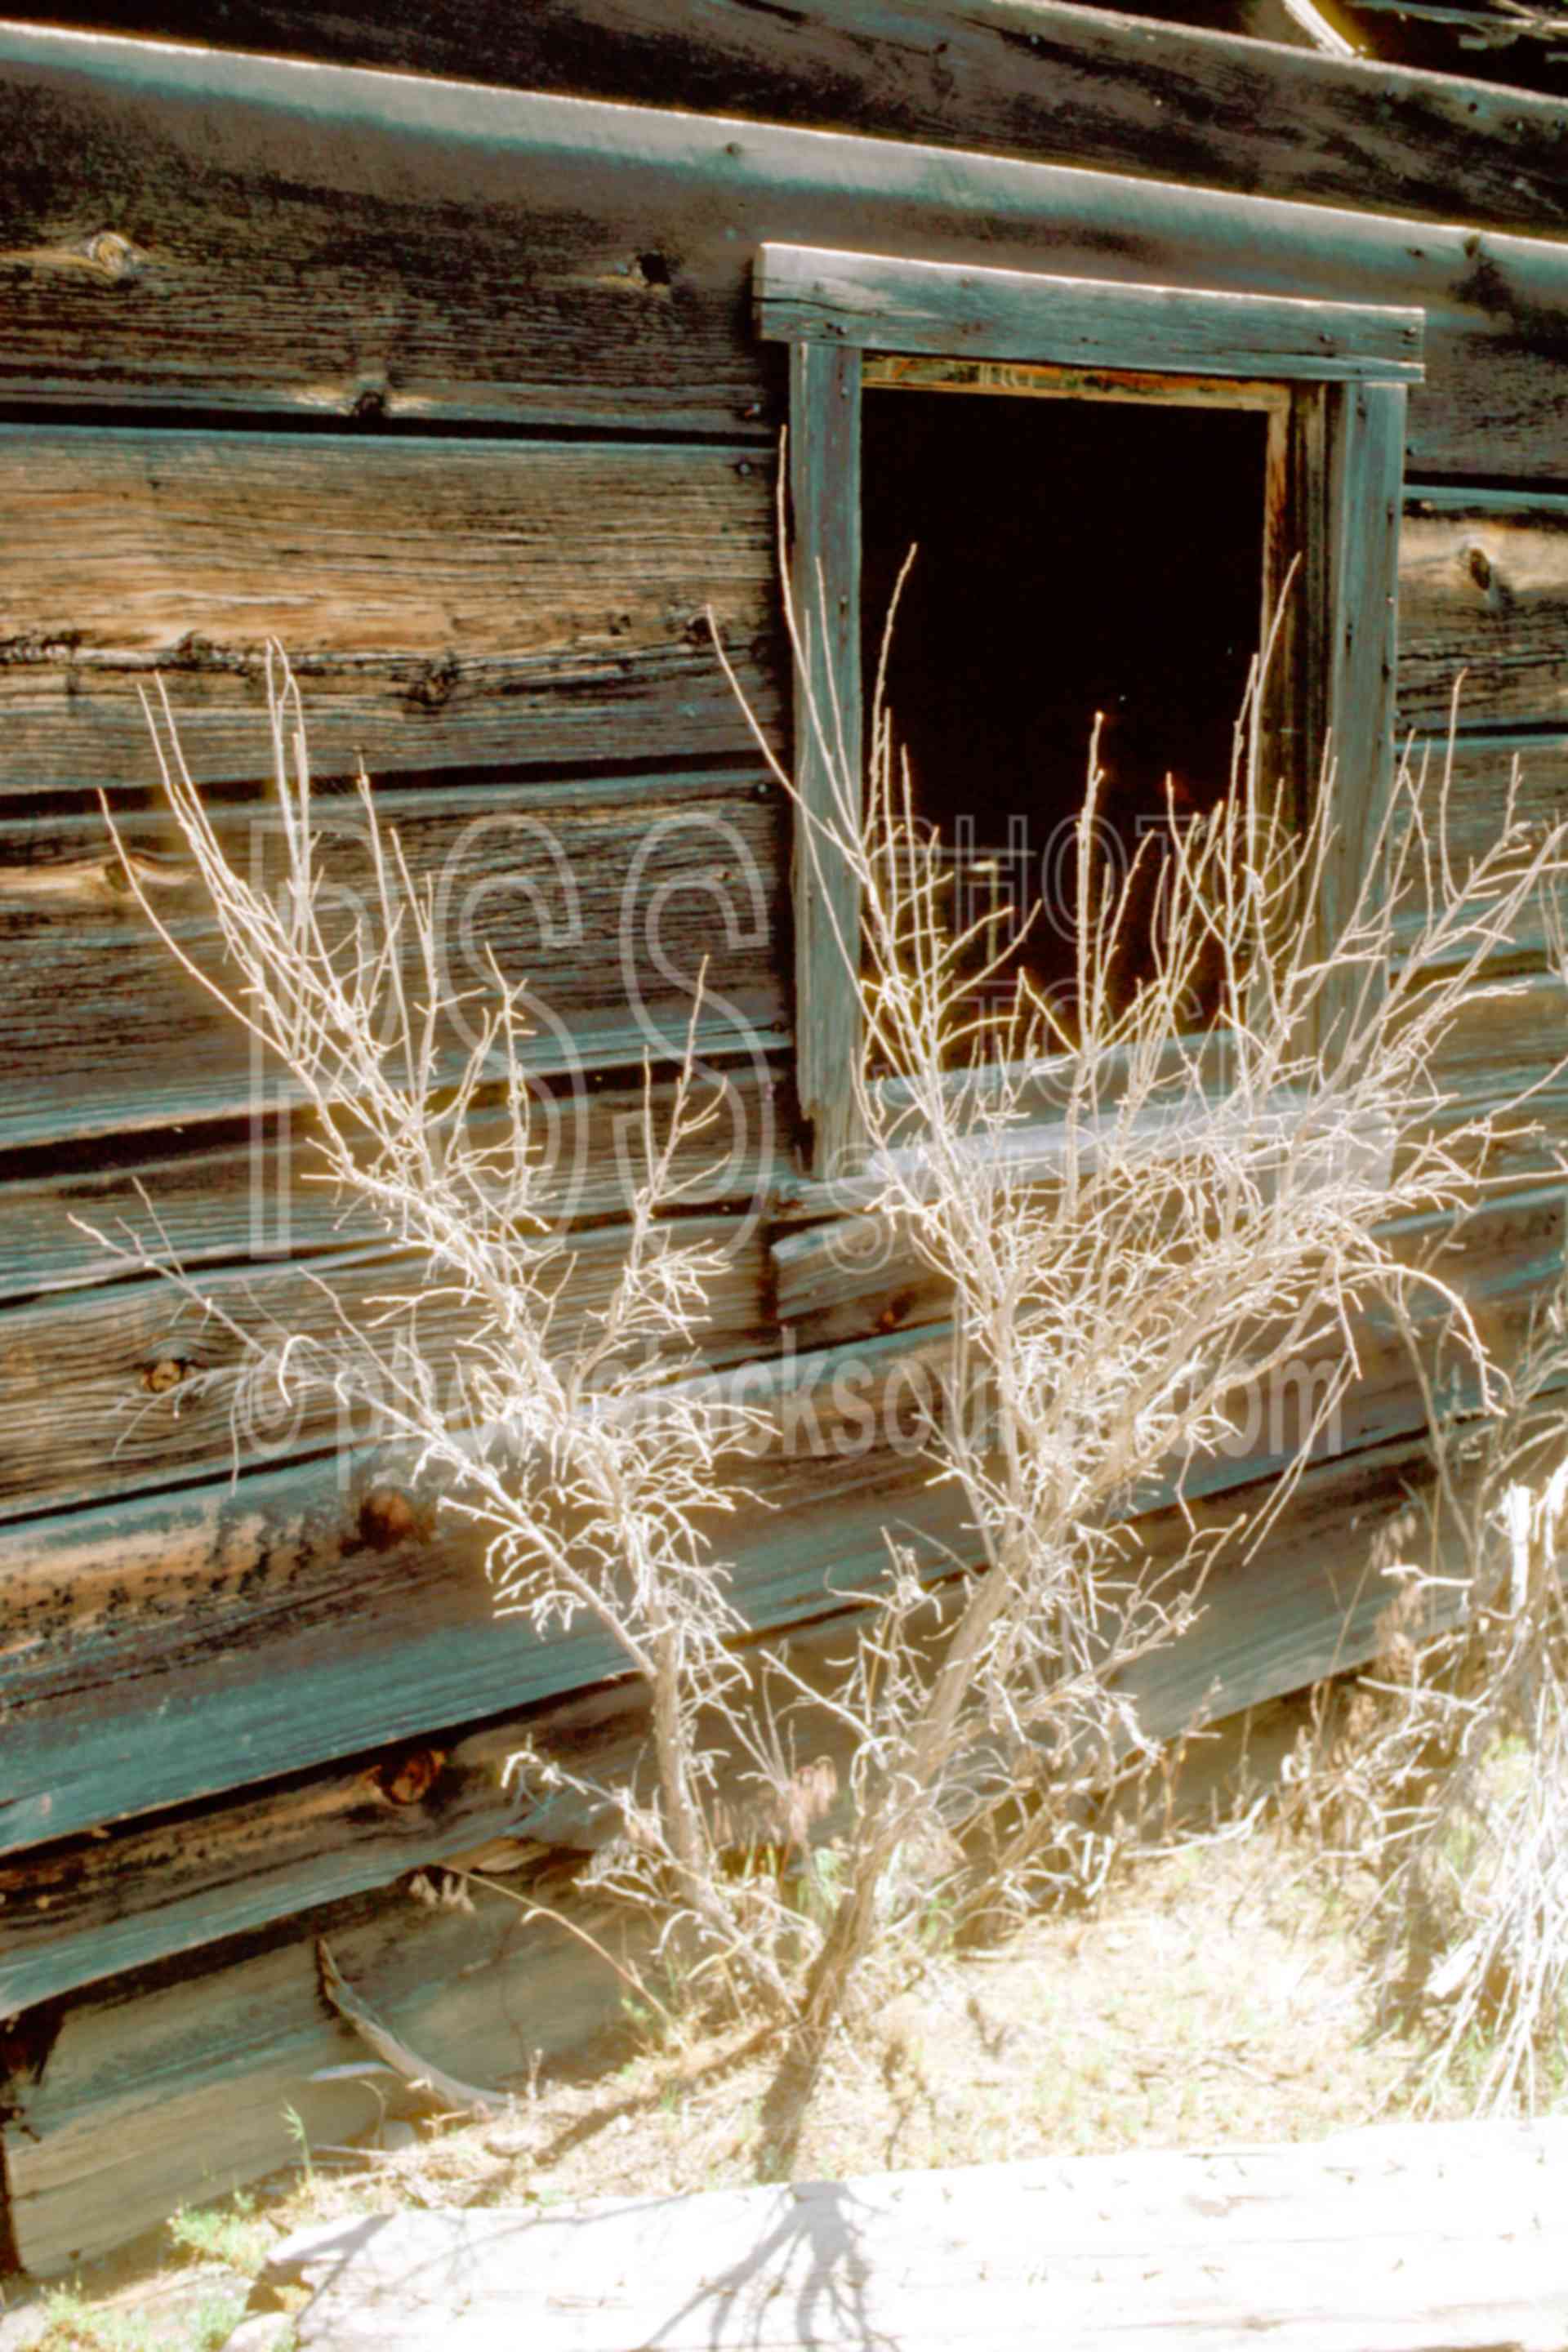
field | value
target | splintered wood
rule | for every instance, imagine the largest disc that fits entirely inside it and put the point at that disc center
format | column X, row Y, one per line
column 1399, row 2239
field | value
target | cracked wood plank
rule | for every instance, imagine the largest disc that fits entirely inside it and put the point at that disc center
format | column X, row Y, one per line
column 1483, row 589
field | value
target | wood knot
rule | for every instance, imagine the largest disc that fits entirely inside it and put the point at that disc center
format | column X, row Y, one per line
column 407, row 1779
column 194, row 652
column 165, row 1374
column 437, row 683
column 386, row 1518
column 897, row 1310
column 114, row 257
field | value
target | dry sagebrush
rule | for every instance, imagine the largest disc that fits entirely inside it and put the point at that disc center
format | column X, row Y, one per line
column 591, row 1470
column 1142, row 1229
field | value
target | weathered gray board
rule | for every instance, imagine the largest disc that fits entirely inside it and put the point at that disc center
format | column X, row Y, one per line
column 444, row 603
column 433, row 251
column 1026, row 78
column 1398, row 2238
column 1478, row 771
column 824, row 590
column 805, row 294
column 1365, row 427
column 1483, row 590
column 139, row 1387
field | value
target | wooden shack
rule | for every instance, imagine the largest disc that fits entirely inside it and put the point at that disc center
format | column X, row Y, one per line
column 452, row 349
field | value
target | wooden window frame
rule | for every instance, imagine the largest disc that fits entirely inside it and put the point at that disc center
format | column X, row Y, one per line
column 1332, row 380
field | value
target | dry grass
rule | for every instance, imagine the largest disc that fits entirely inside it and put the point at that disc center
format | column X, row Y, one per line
column 1445, row 1777
column 1214, row 1995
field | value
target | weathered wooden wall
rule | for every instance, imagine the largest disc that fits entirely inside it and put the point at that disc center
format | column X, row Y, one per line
column 1030, row 77
column 393, row 249
column 456, row 391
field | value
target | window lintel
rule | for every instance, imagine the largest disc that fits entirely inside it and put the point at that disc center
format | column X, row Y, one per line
column 872, row 302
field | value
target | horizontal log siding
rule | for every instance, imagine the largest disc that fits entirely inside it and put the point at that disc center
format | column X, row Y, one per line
column 113, row 1391
column 253, row 1196
column 91, row 1907
column 228, row 1605
column 168, row 2085
column 353, row 243
column 171, row 1647
column 1028, row 78
column 1484, row 583
column 88, row 1908
column 603, row 898
column 444, row 604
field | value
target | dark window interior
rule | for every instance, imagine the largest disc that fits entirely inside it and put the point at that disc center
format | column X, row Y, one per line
column 1074, row 557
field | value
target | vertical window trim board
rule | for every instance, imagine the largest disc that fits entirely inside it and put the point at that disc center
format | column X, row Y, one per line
column 1366, row 489
column 1335, row 475
column 824, row 596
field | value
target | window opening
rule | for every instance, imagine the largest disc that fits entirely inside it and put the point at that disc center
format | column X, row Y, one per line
column 1074, row 556
column 1332, row 379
